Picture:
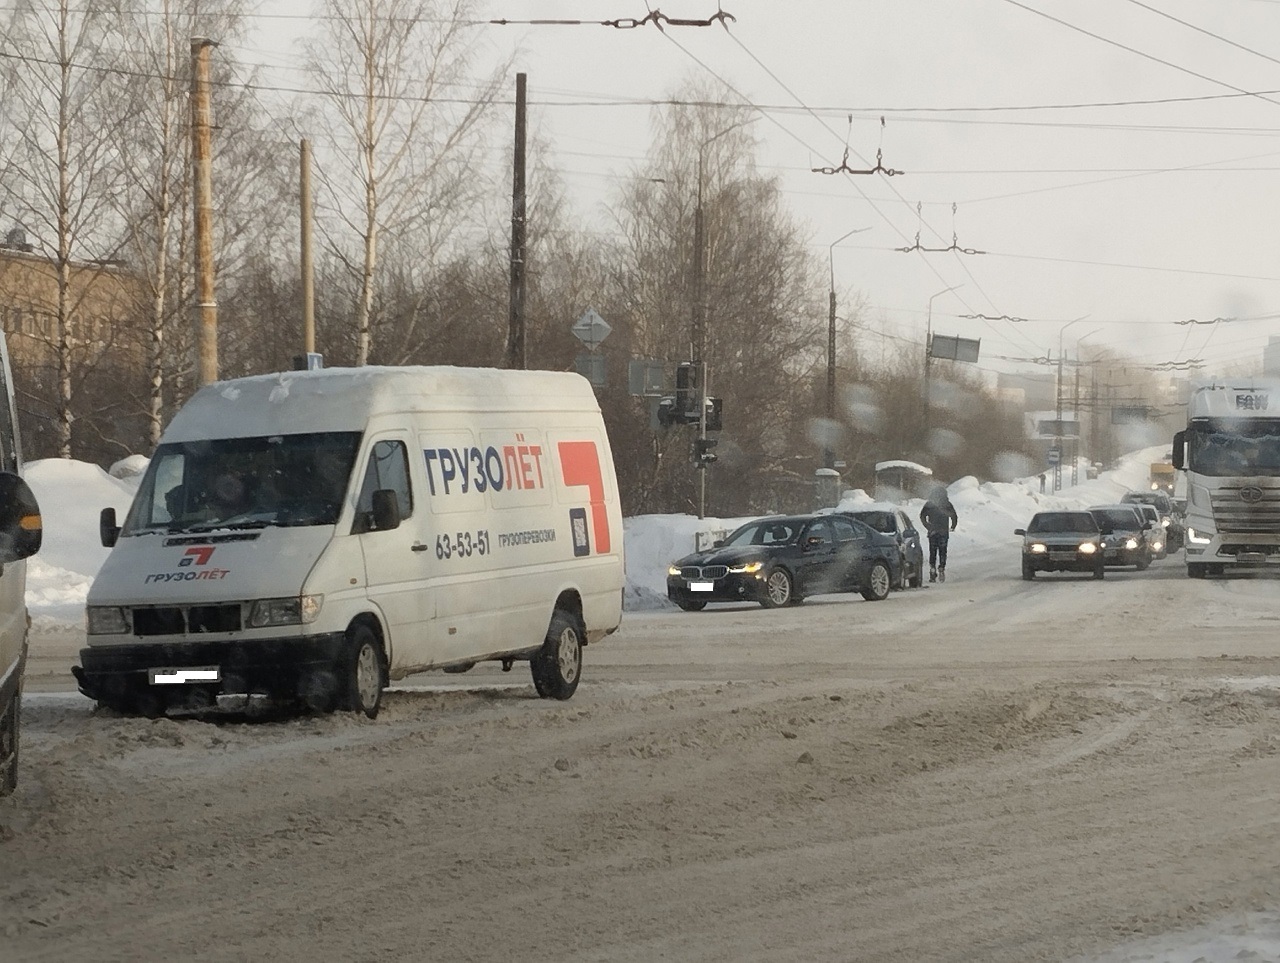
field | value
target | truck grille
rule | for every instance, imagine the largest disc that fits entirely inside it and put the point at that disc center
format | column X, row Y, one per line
column 186, row 620
column 1247, row 509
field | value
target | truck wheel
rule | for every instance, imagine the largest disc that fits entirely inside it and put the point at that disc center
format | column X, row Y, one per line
column 1028, row 571
column 877, row 587
column 557, row 668
column 778, row 588
column 364, row 672
column 9, row 729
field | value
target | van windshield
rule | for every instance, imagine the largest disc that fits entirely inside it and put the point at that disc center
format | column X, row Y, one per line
column 236, row 483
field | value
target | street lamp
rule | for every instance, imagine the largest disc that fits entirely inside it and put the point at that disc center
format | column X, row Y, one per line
column 828, row 456
column 698, row 340
column 928, row 347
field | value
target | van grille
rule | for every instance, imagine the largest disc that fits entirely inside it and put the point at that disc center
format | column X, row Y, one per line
column 1247, row 509
column 186, row 620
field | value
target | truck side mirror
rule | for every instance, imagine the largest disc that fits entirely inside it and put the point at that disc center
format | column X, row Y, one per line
column 21, row 528
column 1179, row 448
column 108, row 530
column 386, row 510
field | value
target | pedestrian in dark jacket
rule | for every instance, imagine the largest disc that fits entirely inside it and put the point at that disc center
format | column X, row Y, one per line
column 939, row 519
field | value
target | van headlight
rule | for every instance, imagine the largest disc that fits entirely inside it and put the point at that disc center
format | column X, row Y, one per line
column 106, row 620
column 1088, row 548
column 1197, row 539
column 299, row 610
column 747, row 568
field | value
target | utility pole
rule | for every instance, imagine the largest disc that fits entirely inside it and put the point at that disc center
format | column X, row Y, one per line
column 201, row 154
column 828, row 455
column 928, row 350
column 1075, row 442
column 308, row 271
column 517, row 342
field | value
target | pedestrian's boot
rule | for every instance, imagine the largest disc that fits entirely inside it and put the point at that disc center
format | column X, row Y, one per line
column 942, row 574
column 933, row 574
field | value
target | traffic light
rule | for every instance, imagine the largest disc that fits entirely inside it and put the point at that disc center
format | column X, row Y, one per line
column 686, row 389
column 714, row 406
column 702, row 453
column 668, row 412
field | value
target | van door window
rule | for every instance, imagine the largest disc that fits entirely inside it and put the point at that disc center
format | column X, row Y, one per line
column 388, row 468
column 8, row 436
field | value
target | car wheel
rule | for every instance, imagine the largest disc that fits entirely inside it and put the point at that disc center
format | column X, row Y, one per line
column 878, row 583
column 557, row 668
column 364, row 673
column 1144, row 563
column 1028, row 570
column 917, row 578
column 9, row 730
column 689, row 606
column 777, row 586
column 1100, row 571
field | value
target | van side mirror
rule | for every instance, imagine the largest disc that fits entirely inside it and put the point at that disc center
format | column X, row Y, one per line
column 108, row 530
column 1179, row 448
column 386, row 510
column 21, row 528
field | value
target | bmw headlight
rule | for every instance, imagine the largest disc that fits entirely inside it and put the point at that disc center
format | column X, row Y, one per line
column 1196, row 539
column 673, row 570
column 747, row 568
column 1039, row 547
column 299, row 610
column 106, row 620
column 1088, row 548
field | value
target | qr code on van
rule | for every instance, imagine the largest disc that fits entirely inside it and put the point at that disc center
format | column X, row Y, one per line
column 581, row 537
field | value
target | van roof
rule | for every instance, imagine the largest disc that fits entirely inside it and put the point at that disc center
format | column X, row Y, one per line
column 343, row 399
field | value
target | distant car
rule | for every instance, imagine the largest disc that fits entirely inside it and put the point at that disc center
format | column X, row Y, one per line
column 1126, row 535
column 1159, row 542
column 1061, row 542
column 894, row 522
column 781, row 559
column 1171, row 515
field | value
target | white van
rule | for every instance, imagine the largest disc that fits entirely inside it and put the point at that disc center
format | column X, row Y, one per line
column 307, row 536
column 20, row 535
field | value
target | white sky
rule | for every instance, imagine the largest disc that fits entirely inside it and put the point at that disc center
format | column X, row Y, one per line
column 1135, row 216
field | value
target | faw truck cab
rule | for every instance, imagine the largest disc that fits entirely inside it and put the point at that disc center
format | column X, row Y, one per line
column 1230, row 454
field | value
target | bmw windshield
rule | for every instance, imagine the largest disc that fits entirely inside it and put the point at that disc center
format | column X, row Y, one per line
column 237, row 483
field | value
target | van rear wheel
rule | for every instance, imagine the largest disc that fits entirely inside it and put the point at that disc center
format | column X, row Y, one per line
column 557, row 667
column 9, row 729
column 364, row 674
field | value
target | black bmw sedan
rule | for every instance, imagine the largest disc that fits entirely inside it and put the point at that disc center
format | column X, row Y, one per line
column 781, row 559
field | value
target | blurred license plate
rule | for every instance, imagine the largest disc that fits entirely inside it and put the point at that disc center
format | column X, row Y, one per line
column 1251, row 558
column 185, row 676
column 702, row 586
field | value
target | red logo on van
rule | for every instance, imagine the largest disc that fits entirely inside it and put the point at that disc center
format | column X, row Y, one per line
column 580, row 465
column 199, row 555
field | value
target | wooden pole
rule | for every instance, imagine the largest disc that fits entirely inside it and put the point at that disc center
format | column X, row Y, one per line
column 517, row 338
column 201, row 153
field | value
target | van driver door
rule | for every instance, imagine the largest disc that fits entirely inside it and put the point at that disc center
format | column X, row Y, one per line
column 396, row 562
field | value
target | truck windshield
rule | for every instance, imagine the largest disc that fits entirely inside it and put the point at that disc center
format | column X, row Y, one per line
column 276, row 480
column 1223, row 447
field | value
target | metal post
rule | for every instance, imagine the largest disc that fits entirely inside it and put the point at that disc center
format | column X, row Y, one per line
column 828, row 455
column 201, row 153
column 928, row 348
column 517, row 340
column 308, row 270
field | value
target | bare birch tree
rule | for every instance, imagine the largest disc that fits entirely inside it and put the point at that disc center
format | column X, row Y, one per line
column 68, row 164
column 396, row 159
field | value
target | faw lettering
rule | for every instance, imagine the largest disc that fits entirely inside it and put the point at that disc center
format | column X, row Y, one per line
column 1252, row 402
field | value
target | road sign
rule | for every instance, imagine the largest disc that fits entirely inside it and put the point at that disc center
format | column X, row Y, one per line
column 647, row 378
column 954, row 349
column 1055, row 456
column 591, row 329
column 591, row 367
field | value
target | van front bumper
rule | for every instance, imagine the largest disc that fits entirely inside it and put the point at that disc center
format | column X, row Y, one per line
column 289, row 668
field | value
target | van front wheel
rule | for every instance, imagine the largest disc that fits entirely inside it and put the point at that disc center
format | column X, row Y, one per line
column 557, row 668
column 365, row 672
